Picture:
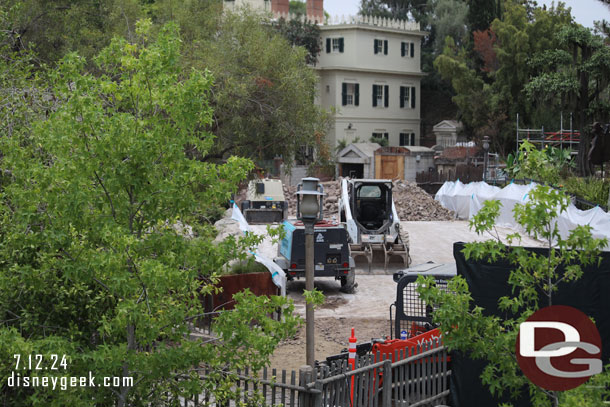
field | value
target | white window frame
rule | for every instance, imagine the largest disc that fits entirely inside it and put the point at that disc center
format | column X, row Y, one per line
column 408, row 46
column 406, row 101
column 350, row 94
column 378, row 46
column 410, row 134
column 379, row 95
column 335, row 45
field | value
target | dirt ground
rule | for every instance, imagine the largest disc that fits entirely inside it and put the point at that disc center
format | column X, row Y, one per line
column 367, row 310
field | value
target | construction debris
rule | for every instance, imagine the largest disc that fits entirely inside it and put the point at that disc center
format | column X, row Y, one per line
column 412, row 203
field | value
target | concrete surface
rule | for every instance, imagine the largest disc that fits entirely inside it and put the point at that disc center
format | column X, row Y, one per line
column 429, row 241
column 433, row 241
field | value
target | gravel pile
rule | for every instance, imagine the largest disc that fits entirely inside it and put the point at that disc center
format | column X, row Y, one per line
column 412, row 202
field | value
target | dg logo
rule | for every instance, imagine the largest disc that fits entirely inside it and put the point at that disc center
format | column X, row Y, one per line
column 559, row 348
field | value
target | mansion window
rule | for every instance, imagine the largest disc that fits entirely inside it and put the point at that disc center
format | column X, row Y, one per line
column 381, row 135
column 334, row 45
column 350, row 94
column 380, row 47
column 407, row 49
column 407, row 139
column 407, row 97
column 381, row 95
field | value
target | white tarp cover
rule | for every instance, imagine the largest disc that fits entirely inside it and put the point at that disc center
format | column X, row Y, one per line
column 446, row 195
column 467, row 199
column 277, row 274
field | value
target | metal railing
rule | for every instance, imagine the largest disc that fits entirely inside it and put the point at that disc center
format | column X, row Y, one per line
column 418, row 377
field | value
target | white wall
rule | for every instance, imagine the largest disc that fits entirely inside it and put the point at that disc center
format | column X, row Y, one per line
column 359, row 52
column 365, row 118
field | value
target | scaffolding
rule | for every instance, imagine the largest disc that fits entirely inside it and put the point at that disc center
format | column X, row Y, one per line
column 564, row 138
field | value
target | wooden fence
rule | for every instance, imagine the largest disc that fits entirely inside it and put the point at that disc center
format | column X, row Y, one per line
column 409, row 378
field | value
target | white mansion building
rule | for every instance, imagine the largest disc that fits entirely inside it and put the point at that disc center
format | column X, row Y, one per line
column 369, row 71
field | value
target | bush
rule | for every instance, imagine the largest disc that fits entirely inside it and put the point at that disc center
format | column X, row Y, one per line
column 591, row 189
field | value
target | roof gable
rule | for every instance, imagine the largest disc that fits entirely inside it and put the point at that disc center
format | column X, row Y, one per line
column 448, row 125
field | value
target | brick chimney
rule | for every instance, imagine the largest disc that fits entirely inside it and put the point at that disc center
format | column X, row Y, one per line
column 315, row 10
column 279, row 6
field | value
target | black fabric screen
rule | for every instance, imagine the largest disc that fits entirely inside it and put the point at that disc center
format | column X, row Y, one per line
column 488, row 282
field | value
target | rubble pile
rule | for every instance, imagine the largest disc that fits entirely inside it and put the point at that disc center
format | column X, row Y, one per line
column 412, row 203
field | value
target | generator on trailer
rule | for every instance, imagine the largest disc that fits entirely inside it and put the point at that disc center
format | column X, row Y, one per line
column 331, row 252
column 367, row 209
column 265, row 202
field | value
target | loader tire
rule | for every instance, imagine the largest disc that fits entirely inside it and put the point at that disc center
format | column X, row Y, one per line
column 348, row 283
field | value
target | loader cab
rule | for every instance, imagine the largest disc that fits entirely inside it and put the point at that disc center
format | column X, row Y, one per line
column 372, row 203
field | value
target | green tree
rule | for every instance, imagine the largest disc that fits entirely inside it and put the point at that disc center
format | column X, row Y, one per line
column 22, row 95
column 56, row 27
column 499, row 87
column 449, row 20
column 400, row 9
column 303, row 34
column 482, row 12
column 94, row 264
column 492, row 338
column 263, row 96
column 576, row 77
column 297, row 7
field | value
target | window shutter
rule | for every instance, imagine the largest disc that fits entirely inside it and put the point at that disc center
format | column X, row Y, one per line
column 328, row 45
column 375, row 46
column 412, row 49
column 413, row 97
column 412, row 139
column 343, row 94
column 402, row 96
column 340, row 44
column 386, row 95
column 402, row 49
column 385, row 47
column 374, row 96
column 356, row 94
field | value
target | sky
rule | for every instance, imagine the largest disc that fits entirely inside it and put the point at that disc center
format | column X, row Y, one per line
column 584, row 11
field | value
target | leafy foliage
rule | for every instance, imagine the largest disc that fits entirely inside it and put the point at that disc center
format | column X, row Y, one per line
column 263, row 95
column 491, row 338
column 546, row 165
column 382, row 141
column 303, row 34
column 576, row 77
column 94, row 262
column 55, row 27
column 496, row 70
column 591, row 189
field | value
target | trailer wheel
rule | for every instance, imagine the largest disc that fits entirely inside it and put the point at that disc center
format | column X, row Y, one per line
column 348, row 283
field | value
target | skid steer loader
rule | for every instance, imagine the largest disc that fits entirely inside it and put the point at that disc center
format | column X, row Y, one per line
column 368, row 212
